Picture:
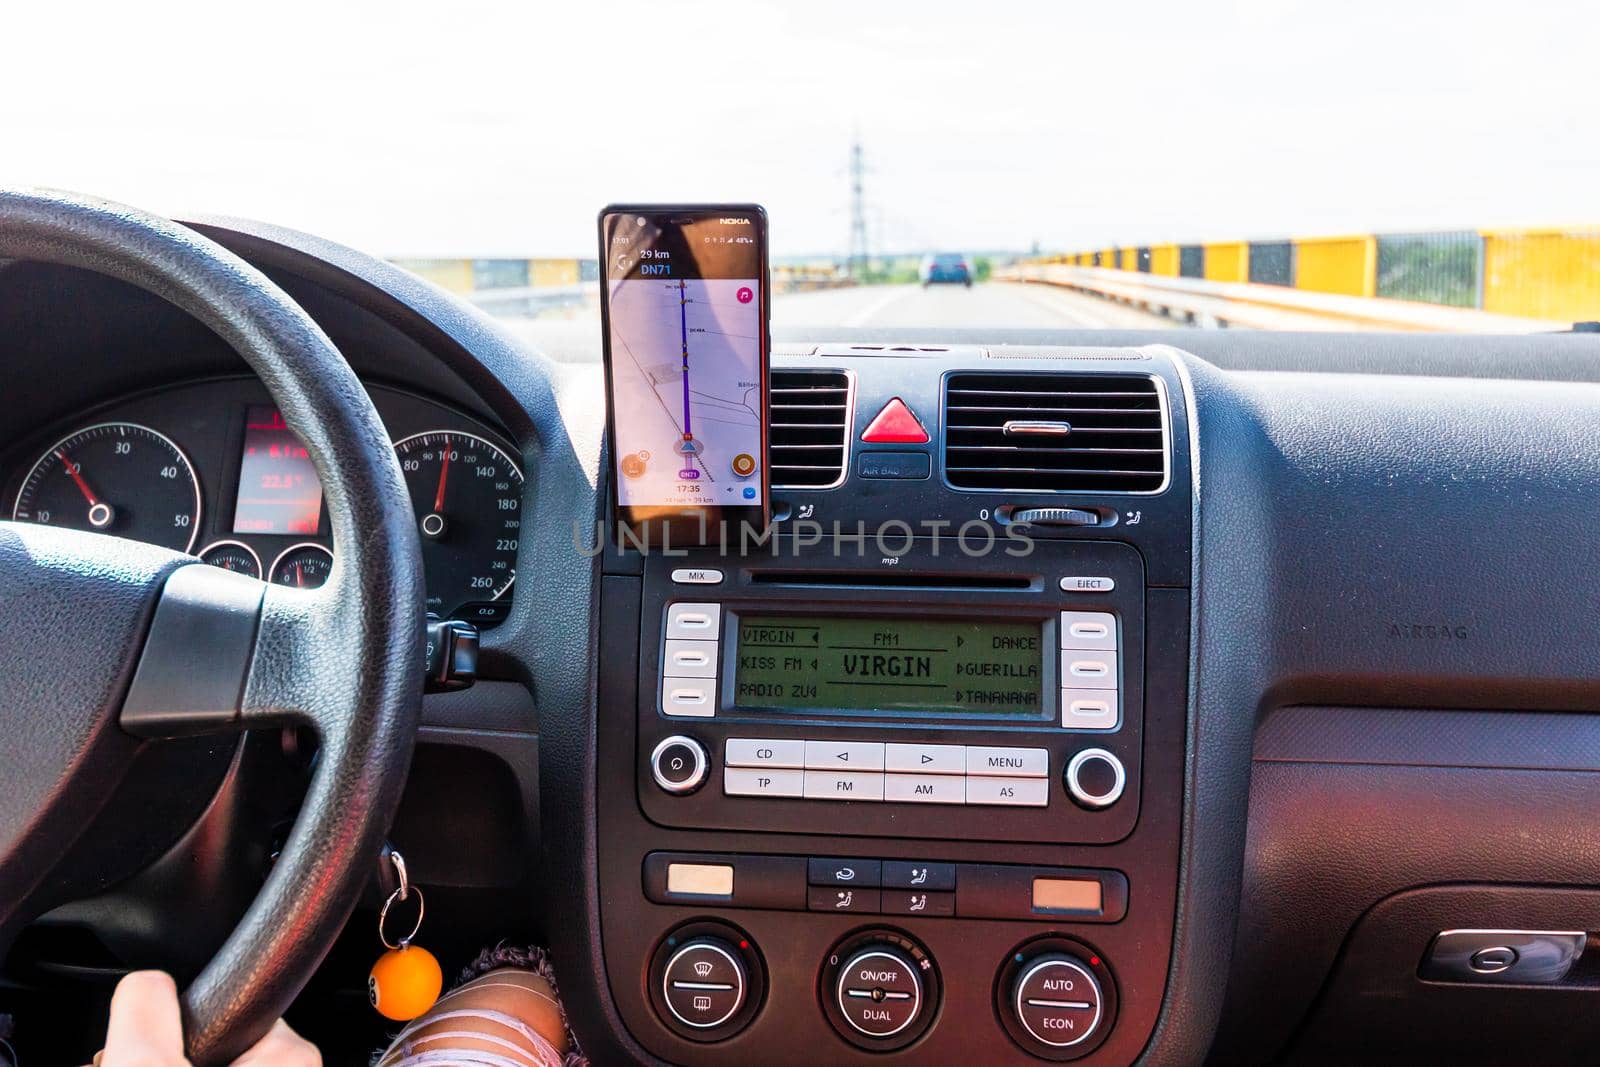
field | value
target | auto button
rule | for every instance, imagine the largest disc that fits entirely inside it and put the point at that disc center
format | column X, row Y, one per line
column 1057, row 1001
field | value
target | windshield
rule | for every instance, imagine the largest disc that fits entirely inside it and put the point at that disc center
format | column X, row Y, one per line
column 1259, row 164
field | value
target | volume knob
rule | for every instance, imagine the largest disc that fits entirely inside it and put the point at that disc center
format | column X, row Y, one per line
column 679, row 764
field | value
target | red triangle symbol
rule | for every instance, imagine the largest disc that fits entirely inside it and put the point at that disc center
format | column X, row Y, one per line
column 895, row 424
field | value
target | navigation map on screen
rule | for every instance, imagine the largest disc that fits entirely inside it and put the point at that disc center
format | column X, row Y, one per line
column 686, row 330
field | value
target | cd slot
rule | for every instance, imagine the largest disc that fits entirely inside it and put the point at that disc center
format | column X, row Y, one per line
column 892, row 580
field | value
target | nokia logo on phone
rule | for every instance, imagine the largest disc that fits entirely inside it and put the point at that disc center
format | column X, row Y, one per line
column 734, row 222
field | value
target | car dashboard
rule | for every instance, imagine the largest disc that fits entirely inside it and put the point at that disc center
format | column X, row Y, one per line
column 1284, row 676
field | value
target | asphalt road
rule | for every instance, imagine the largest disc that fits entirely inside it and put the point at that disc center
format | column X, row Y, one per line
column 575, row 336
column 986, row 306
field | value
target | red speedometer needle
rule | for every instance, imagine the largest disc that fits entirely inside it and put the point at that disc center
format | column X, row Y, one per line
column 444, row 474
column 72, row 472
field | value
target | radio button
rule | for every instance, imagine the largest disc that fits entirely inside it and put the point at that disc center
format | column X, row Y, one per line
column 689, row 696
column 844, row 785
column 1089, row 630
column 698, row 622
column 1010, row 762
column 924, row 789
column 1015, row 792
column 1088, row 670
column 924, row 759
column 844, row 755
column 756, row 752
column 691, row 659
column 758, row 782
column 697, row 576
column 1089, row 709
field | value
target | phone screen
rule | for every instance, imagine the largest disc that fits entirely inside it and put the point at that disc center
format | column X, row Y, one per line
column 685, row 312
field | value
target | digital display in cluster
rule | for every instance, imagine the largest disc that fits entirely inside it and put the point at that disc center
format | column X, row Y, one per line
column 279, row 491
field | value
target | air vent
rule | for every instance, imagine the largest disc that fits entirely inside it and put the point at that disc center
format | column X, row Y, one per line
column 1054, row 433
column 810, row 428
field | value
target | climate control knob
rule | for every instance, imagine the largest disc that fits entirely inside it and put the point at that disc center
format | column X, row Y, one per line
column 706, row 980
column 880, row 990
column 1057, row 1000
column 703, row 983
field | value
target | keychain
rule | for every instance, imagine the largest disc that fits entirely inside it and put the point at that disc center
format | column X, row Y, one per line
column 406, row 980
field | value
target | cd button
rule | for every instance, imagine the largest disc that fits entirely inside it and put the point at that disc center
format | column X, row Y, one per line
column 1087, row 584
column 844, row 756
column 756, row 752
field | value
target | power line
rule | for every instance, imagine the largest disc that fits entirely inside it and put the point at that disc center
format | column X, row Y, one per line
column 858, row 211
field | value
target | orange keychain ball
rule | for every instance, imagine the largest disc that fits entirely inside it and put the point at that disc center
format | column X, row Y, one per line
column 404, row 982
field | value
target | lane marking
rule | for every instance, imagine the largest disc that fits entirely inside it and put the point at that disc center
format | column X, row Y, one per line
column 860, row 318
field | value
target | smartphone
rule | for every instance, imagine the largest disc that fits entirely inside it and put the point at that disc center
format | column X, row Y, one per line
column 685, row 313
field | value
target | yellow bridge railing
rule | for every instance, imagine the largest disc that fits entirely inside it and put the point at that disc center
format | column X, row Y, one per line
column 1550, row 277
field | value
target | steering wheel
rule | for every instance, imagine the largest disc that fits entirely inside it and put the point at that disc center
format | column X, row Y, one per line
column 104, row 641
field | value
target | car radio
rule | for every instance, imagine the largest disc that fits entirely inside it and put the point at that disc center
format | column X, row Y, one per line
column 909, row 697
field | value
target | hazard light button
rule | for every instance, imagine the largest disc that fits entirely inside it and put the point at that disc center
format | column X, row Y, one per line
column 896, row 425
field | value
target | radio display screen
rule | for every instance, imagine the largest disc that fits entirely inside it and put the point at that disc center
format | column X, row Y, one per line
column 856, row 663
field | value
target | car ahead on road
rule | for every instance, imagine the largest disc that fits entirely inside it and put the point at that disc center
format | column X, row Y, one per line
column 945, row 267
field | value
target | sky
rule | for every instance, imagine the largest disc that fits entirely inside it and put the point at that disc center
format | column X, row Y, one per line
column 478, row 129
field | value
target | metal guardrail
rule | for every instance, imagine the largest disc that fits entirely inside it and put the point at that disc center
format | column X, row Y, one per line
column 1270, row 307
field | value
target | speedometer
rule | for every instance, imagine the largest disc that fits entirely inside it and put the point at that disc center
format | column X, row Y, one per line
column 117, row 478
column 467, row 495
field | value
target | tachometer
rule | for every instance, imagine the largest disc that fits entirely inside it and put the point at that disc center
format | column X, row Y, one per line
column 118, row 478
column 467, row 495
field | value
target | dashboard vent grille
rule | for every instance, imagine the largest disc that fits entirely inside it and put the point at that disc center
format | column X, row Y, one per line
column 1067, row 432
column 810, row 430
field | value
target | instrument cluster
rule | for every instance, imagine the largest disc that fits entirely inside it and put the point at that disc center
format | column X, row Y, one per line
column 211, row 469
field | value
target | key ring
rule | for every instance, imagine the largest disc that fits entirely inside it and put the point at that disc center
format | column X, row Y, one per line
column 402, row 893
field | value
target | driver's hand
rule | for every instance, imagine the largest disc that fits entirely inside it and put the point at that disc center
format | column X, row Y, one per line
column 146, row 1031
